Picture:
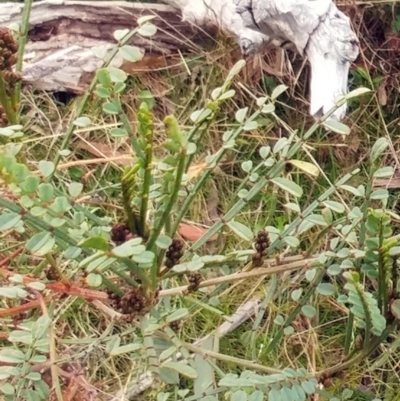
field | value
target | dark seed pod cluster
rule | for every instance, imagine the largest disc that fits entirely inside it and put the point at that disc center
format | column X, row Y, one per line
column 51, row 274
column 175, row 325
column 133, row 301
column 195, row 279
column 261, row 245
column 174, row 253
column 8, row 58
column 121, row 233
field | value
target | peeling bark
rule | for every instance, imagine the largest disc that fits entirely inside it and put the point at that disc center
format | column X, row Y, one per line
column 58, row 54
column 63, row 32
column 315, row 28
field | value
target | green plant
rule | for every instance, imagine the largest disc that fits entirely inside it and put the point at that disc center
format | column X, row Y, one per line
column 137, row 269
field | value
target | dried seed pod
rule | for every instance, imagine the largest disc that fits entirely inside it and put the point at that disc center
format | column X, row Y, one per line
column 174, row 253
column 195, row 279
column 261, row 245
column 121, row 233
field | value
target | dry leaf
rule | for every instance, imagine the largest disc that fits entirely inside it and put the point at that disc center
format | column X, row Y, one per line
column 193, row 233
column 382, row 94
column 195, row 170
column 102, row 150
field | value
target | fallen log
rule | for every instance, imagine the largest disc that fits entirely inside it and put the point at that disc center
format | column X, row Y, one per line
column 63, row 33
column 59, row 54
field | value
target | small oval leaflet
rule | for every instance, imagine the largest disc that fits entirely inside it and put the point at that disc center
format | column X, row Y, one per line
column 40, row 243
column 75, row 188
column 147, row 29
column 336, row 126
column 177, row 315
column 240, row 115
column 131, row 53
column 99, row 51
column 181, row 368
column 256, row 396
column 307, row 167
column 227, row 95
column 247, row 166
column 241, row 230
column 288, row 186
column 250, row 125
column 9, row 220
column 326, row 289
column 308, row 311
column 120, row 34
column 379, row 147
column 82, row 122
column 124, row 349
column 94, row 280
column 296, row 294
column 239, row 395
column 46, row 167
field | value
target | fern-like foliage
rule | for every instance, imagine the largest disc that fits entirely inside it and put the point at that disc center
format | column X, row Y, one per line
column 287, row 385
column 364, row 306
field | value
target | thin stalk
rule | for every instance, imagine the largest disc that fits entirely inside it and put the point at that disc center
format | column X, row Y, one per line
column 63, row 278
column 273, row 284
column 82, row 105
column 307, row 295
column 349, row 334
column 132, row 266
column 253, row 192
column 172, row 200
column 200, row 183
column 359, row 357
column 23, row 37
column 191, row 135
column 111, row 286
column 149, row 345
column 148, row 169
column 126, row 124
column 5, row 101
column 262, row 271
column 230, row 359
column 382, row 280
column 357, row 265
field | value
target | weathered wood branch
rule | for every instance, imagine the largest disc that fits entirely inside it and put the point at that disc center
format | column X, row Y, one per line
column 58, row 53
column 63, row 32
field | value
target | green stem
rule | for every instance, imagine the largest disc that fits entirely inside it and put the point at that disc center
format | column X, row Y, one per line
column 359, row 357
column 111, row 286
column 82, row 105
column 128, row 127
column 148, row 169
column 349, row 334
column 23, row 36
column 200, row 183
column 253, row 192
column 307, row 295
column 230, row 359
column 6, row 102
column 171, row 202
column 149, row 345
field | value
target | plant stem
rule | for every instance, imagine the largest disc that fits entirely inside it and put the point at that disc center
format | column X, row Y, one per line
column 148, row 168
column 297, row 309
column 6, row 102
column 23, row 37
column 126, row 124
column 262, row 271
column 200, row 183
column 82, row 105
column 362, row 355
column 230, row 359
column 171, row 202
